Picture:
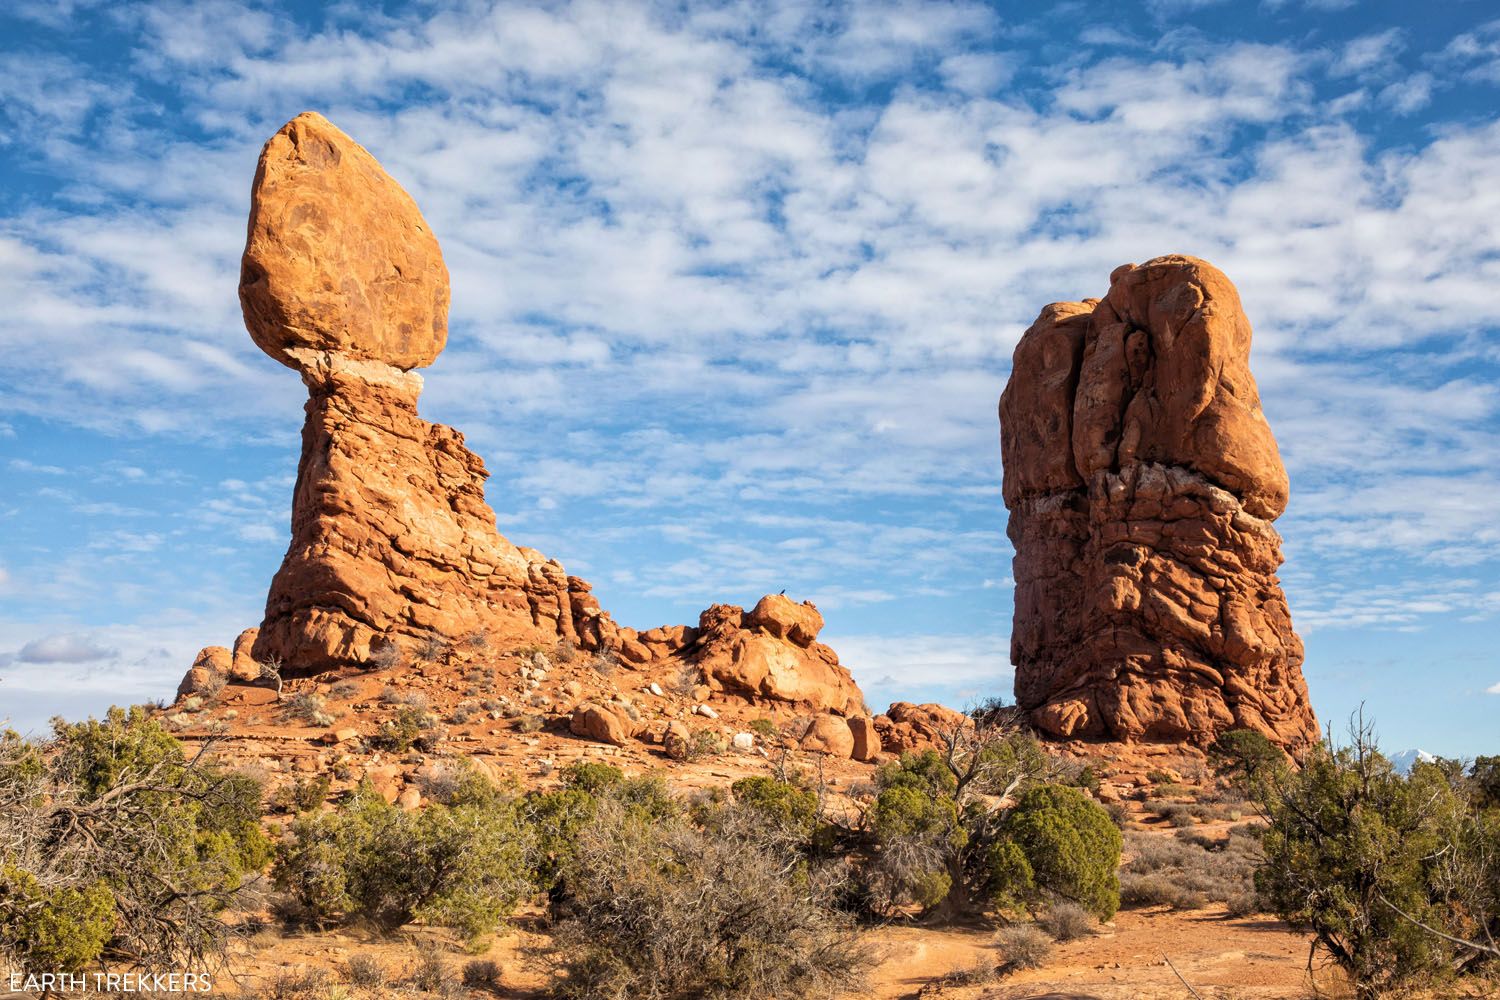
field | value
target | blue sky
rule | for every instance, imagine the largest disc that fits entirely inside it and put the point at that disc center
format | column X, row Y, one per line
column 735, row 289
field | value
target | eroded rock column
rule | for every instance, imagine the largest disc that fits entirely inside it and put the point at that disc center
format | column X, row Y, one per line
column 1142, row 481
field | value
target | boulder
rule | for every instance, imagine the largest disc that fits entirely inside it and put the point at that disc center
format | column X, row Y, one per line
column 209, row 669
column 905, row 726
column 773, row 656
column 1142, row 480
column 338, row 257
column 245, row 669
column 677, row 740
column 866, row 739
column 602, row 724
column 392, row 540
column 783, row 618
column 828, row 734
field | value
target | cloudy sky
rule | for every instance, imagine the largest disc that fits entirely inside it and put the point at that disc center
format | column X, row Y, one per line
column 735, row 288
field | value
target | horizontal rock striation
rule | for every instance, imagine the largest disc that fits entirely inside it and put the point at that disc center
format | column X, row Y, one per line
column 1142, row 481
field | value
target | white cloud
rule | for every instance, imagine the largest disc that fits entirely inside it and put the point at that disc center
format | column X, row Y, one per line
column 64, row 648
column 1369, row 54
column 1492, row 689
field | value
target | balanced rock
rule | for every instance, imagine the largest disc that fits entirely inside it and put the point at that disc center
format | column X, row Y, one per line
column 392, row 541
column 1142, row 479
column 338, row 257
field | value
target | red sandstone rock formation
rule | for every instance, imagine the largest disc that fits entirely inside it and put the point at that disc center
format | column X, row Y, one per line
column 392, row 541
column 1142, row 480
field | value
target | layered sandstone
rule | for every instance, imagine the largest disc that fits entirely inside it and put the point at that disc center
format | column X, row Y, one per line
column 1142, row 480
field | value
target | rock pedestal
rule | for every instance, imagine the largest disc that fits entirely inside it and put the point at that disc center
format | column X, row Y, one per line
column 392, row 541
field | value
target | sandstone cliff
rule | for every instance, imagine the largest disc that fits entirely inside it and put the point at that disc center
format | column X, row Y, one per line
column 1142, row 481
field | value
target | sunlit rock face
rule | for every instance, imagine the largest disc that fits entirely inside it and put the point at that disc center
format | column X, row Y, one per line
column 1142, row 480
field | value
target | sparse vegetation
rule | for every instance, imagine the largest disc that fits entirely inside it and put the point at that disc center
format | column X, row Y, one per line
column 384, row 657
column 463, row 865
column 1023, row 946
column 114, row 843
column 1067, row 921
column 365, row 971
column 1396, row 876
column 663, row 907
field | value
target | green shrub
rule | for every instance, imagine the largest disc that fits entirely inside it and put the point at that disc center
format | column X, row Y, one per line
column 765, row 729
column 1071, row 844
column 464, row 865
column 1247, row 759
column 111, row 811
column 300, row 796
column 58, row 930
column 1362, row 857
column 412, row 727
column 779, row 801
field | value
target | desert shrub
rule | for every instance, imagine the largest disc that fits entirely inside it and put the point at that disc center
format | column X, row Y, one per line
column 344, row 690
column 1188, row 872
column 364, row 971
column 52, row 930
column 300, row 796
column 1157, row 889
column 430, row 972
column 1159, row 777
column 688, row 677
column 384, row 657
column 1072, row 846
column 780, row 802
column 704, row 745
column 1067, row 921
column 213, row 686
column 531, row 724
column 131, row 847
column 1178, row 814
column 1363, row 858
column 432, row 649
column 592, row 776
column 765, row 729
column 1247, row 759
column 1023, row 946
column 297, row 984
column 463, row 714
column 1485, row 779
column 307, row 706
column 661, row 908
column 412, row 727
column 481, row 974
column 463, row 865
column 1243, row 904
column 938, row 825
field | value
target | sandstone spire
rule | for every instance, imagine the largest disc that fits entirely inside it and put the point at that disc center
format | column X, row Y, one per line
column 1142, row 480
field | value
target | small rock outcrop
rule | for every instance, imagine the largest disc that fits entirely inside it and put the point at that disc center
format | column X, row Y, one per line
column 392, row 541
column 1142, row 481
